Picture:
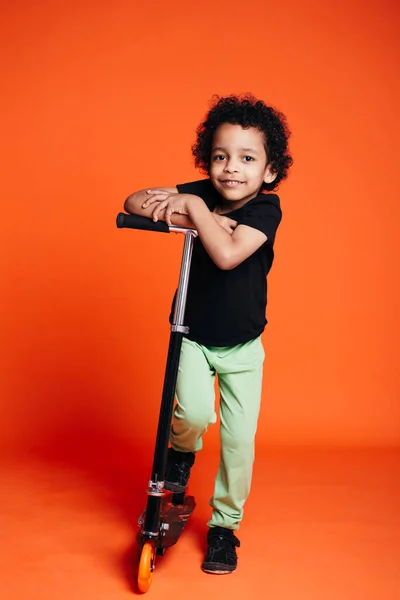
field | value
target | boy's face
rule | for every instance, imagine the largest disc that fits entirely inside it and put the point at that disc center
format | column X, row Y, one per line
column 238, row 165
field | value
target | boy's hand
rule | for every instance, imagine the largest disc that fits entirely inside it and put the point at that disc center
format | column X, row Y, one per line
column 172, row 203
column 178, row 203
column 228, row 224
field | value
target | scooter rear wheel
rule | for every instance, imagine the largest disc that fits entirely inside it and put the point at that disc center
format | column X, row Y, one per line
column 146, row 566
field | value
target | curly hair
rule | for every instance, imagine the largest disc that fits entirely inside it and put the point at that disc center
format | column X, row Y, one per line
column 246, row 111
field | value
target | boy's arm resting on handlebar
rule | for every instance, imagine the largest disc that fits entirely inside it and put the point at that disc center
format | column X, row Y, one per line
column 134, row 205
column 227, row 245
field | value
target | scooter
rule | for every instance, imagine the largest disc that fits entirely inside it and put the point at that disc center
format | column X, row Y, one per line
column 166, row 514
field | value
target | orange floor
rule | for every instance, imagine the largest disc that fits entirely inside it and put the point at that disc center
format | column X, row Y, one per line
column 320, row 525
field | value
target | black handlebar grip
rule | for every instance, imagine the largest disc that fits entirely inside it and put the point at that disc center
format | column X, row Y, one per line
column 144, row 223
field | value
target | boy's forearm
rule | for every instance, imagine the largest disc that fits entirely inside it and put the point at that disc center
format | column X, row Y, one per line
column 216, row 240
column 134, row 205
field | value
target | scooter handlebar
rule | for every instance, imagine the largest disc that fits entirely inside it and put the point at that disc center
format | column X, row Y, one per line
column 144, row 223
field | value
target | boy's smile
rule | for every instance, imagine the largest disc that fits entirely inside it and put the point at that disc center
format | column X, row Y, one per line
column 238, row 165
column 230, row 183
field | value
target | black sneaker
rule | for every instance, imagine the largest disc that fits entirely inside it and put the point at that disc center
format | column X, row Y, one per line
column 177, row 472
column 221, row 556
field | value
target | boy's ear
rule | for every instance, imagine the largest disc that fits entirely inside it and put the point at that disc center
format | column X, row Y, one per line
column 269, row 175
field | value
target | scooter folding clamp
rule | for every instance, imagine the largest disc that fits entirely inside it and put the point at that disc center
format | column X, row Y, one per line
column 156, row 488
column 180, row 328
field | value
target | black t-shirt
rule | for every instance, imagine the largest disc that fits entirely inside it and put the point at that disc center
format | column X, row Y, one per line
column 227, row 307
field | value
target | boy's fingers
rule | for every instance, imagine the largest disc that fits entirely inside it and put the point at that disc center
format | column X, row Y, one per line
column 158, row 208
column 168, row 214
column 154, row 198
column 148, row 201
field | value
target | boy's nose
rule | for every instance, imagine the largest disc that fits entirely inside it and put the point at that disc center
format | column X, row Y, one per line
column 231, row 167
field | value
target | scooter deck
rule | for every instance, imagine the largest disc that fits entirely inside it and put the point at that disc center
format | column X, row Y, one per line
column 173, row 518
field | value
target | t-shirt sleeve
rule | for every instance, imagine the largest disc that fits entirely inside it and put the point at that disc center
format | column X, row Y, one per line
column 263, row 213
column 203, row 188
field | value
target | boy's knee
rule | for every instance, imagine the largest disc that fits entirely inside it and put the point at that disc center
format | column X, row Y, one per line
column 196, row 419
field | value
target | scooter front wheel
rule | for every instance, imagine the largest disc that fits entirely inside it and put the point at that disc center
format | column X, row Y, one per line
column 146, row 566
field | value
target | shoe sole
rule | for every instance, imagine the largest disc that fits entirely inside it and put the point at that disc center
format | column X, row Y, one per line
column 216, row 569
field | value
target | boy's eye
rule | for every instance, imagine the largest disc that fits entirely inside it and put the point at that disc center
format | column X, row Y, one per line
column 219, row 157
column 248, row 158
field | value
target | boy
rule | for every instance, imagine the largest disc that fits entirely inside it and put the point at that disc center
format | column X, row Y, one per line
column 242, row 147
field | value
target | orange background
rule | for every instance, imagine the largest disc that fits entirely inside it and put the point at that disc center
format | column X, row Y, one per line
column 99, row 99
column 102, row 99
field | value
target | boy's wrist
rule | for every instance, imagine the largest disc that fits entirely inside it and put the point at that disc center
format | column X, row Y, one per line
column 193, row 203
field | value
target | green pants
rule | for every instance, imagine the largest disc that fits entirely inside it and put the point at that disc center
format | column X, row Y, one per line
column 239, row 370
